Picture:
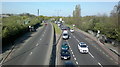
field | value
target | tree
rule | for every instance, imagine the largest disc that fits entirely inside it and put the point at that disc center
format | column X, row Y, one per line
column 77, row 11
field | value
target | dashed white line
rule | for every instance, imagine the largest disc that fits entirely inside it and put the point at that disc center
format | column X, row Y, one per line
column 71, row 50
column 69, row 46
column 116, row 62
column 107, row 55
column 74, row 37
column 76, row 62
column 96, row 47
column 111, row 59
column 37, row 44
column 73, row 55
column 77, row 40
column 40, row 39
column 100, row 64
column 103, row 52
column 74, row 58
column 30, row 53
column 91, row 55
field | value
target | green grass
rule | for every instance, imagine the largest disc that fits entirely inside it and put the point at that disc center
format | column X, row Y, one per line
column 71, row 27
column 57, row 29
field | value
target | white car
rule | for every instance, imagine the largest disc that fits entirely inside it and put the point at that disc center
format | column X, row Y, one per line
column 65, row 35
column 83, row 48
column 71, row 30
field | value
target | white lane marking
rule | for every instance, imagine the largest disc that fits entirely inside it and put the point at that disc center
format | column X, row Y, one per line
column 74, row 58
column 76, row 62
column 111, row 59
column 77, row 40
column 69, row 46
column 37, row 44
column 30, row 53
column 91, row 55
column 74, row 37
column 43, row 35
column 100, row 64
column 40, row 39
column 103, row 52
column 71, row 50
column 116, row 62
column 73, row 55
column 100, row 50
column 96, row 47
column 107, row 55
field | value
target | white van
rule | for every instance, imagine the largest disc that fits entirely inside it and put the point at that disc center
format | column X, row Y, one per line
column 65, row 35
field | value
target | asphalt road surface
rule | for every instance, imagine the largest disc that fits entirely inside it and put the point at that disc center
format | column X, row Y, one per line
column 96, row 56
column 34, row 51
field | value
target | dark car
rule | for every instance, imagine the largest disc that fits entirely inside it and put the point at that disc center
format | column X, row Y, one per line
column 69, row 64
column 46, row 24
column 65, row 54
column 64, row 46
column 68, row 28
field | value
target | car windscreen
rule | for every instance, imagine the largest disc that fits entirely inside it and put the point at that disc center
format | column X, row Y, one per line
column 84, row 46
column 65, row 34
column 65, row 52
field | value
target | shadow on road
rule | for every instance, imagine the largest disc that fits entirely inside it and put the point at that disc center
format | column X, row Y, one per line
column 20, row 39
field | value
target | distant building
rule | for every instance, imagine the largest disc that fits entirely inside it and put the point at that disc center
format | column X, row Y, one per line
column 3, row 15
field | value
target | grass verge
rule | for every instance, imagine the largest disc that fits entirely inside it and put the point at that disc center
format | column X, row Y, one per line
column 71, row 27
column 57, row 29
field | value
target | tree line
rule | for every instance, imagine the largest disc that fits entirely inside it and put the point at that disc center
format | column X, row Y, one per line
column 15, row 26
column 108, row 25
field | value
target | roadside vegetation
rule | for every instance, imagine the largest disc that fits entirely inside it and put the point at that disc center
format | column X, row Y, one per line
column 57, row 29
column 108, row 25
column 15, row 26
